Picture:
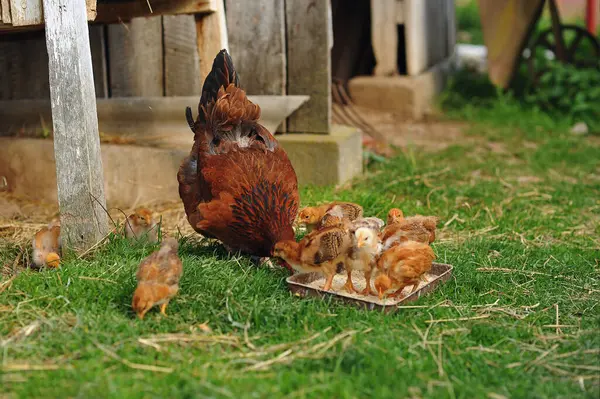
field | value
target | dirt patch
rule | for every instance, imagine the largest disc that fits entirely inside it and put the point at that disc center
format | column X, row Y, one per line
column 430, row 134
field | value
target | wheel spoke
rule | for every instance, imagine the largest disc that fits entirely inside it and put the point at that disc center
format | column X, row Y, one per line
column 574, row 45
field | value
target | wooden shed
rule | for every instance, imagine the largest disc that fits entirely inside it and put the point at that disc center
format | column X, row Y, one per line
column 148, row 60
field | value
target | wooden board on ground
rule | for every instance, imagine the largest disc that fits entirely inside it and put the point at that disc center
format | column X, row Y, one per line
column 506, row 27
column 309, row 64
column 182, row 64
column 136, row 58
column 211, row 31
column 76, row 140
column 126, row 10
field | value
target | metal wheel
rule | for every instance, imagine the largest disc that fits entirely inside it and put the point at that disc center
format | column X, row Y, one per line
column 581, row 50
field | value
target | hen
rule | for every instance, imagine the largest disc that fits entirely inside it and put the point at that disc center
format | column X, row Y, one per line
column 158, row 278
column 237, row 185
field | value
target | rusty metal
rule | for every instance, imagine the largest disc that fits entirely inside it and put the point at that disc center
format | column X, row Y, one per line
column 299, row 285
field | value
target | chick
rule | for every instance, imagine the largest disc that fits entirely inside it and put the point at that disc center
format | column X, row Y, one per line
column 394, row 215
column 401, row 266
column 321, row 251
column 335, row 217
column 47, row 242
column 141, row 225
column 312, row 216
column 158, row 278
column 414, row 228
column 366, row 245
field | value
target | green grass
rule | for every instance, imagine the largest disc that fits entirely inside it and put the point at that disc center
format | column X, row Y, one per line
column 520, row 193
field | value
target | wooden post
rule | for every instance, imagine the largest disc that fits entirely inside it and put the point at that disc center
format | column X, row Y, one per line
column 384, row 36
column 79, row 173
column 211, row 31
column 309, row 63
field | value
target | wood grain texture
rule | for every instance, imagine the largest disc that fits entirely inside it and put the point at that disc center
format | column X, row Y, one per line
column 79, row 172
column 125, row 11
column 98, row 49
column 26, row 12
column 257, row 44
column 211, row 31
column 182, row 63
column 136, row 58
column 309, row 64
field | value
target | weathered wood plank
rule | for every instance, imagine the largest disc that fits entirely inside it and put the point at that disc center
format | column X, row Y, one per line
column 98, row 49
column 211, row 31
column 256, row 34
column 136, row 58
column 125, row 11
column 182, row 63
column 309, row 64
column 26, row 12
column 384, row 36
column 24, row 67
column 76, row 141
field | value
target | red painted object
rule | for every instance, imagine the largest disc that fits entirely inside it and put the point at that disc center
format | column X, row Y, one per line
column 590, row 16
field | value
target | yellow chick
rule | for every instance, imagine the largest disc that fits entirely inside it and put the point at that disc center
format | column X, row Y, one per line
column 366, row 245
column 141, row 225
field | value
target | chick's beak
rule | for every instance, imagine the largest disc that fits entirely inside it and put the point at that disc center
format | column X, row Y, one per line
column 360, row 244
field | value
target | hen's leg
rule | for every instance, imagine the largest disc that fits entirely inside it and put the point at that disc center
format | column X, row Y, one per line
column 349, row 286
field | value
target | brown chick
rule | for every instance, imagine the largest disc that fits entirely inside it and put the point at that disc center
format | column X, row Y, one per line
column 321, row 251
column 312, row 216
column 394, row 215
column 366, row 245
column 158, row 278
column 413, row 228
column 401, row 266
column 46, row 242
column 141, row 225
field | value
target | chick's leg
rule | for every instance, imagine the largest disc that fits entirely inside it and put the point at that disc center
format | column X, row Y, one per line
column 328, row 282
column 163, row 308
column 367, row 290
column 349, row 286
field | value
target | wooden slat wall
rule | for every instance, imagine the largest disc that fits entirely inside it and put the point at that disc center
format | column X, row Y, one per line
column 98, row 48
column 136, row 58
column 26, row 12
column 256, row 33
column 309, row 64
column 182, row 64
column 211, row 31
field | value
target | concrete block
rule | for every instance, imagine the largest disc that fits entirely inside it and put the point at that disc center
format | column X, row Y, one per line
column 325, row 159
column 135, row 175
column 410, row 97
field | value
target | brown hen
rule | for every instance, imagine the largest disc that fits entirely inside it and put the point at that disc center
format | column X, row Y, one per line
column 237, row 184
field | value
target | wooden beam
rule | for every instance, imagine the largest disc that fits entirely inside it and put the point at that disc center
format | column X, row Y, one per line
column 127, row 10
column 256, row 34
column 135, row 54
column 309, row 63
column 182, row 63
column 79, row 173
column 26, row 12
column 211, row 31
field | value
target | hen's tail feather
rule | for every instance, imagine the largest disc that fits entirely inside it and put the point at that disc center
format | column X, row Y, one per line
column 222, row 74
column 190, row 118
